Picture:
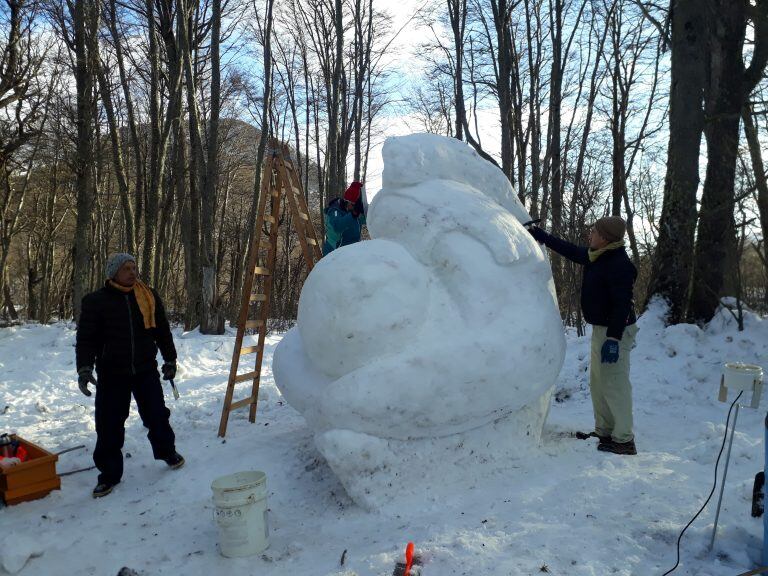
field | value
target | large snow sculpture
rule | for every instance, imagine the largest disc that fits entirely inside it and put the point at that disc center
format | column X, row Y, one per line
column 440, row 333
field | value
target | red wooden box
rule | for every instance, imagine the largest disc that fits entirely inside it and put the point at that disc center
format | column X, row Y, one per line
column 32, row 479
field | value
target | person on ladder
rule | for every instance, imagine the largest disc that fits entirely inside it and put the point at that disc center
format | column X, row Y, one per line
column 344, row 219
column 606, row 301
column 120, row 329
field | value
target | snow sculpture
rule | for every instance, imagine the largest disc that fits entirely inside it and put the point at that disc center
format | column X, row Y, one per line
column 442, row 333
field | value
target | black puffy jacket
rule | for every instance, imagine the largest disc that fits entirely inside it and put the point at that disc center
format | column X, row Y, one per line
column 606, row 288
column 111, row 334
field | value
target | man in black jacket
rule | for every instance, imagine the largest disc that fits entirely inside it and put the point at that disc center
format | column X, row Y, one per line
column 606, row 301
column 120, row 329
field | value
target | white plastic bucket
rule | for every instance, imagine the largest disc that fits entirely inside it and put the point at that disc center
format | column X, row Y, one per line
column 241, row 513
column 738, row 376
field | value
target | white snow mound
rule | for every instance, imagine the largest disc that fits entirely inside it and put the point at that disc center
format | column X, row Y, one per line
column 443, row 327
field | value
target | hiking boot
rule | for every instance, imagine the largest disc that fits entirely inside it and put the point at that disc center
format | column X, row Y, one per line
column 103, row 488
column 176, row 461
column 625, row 448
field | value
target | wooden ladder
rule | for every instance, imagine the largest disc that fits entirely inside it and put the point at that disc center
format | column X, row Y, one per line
column 279, row 181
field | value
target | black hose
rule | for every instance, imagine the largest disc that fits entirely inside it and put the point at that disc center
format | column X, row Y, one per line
column 714, row 486
column 60, row 452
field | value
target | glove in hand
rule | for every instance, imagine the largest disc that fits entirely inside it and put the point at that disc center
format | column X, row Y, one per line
column 609, row 354
column 169, row 370
column 85, row 377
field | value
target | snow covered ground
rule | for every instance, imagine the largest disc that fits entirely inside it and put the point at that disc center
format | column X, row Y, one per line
column 571, row 510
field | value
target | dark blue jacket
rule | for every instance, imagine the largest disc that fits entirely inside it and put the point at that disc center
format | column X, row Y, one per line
column 606, row 288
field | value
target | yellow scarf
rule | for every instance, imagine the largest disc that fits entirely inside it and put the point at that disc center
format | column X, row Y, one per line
column 144, row 298
column 595, row 254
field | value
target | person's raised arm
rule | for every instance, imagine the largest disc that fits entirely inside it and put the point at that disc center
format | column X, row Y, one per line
column 578, row 254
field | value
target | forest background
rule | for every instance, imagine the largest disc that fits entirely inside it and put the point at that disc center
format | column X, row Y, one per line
column 138, row 126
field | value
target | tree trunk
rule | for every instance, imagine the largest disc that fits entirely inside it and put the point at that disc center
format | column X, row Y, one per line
column 249, row 231
column 117, row 160
column 673, row 260
column 716, row 240
column 457, row 13
column 335, row 177
column 212, row 319
column 138, row 151
column 755, row 152
column 85, row 18
column 501, row 14
column 533, row 36
column 155, row 152
column 189, row 232
column 555, row 161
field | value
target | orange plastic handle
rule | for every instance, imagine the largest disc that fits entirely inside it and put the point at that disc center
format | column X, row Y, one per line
column 408, row 559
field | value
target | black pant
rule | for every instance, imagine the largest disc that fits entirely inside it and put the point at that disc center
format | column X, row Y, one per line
column 113, row 401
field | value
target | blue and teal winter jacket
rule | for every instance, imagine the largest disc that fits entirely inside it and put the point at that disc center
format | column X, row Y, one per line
column 341, row 227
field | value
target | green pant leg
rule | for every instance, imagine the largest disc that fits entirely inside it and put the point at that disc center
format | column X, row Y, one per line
column 603, row 418
column 617, row 389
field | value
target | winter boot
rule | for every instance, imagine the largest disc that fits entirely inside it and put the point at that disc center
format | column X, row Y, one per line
column 103, row 488
column 625, row 448
column 176, row 461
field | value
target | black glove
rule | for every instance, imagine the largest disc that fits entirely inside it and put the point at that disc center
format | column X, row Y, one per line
column 538, row 234
column 169, row 370
column 85, row 377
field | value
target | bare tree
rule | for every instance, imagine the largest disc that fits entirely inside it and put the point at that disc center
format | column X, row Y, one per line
column 728, row 89
column 84, row 44
column 24, row 107
column 673, row 258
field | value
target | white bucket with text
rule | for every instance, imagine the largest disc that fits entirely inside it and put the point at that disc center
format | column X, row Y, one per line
column 241, row 513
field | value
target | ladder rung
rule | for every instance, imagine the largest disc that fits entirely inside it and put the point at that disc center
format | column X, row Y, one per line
column 270, row 219
column 261, row 271
column 311, row 241
column 248, row 376
column 254, row 323
column 258, row 297
column 248, row 350
column 275, row 193
column 241, row 403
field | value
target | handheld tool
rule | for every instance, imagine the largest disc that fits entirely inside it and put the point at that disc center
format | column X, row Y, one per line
column 175, row 392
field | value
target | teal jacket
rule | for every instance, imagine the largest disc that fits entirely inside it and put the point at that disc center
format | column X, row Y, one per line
column 341, row 227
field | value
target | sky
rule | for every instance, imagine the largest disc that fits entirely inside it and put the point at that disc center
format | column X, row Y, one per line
column 403, row 60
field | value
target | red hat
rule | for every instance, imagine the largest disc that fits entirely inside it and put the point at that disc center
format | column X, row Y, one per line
column 353, row 192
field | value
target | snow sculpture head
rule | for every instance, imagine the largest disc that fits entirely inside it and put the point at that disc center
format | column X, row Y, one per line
column 443, row 323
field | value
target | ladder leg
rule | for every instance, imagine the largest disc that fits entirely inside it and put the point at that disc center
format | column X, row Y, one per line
column 269, row 282
column 264, row 192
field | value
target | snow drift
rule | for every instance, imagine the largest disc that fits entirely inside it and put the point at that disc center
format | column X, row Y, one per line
column 442, row 331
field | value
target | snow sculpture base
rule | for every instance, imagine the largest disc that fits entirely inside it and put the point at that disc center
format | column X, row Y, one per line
column 437, row 343
column 379, row 471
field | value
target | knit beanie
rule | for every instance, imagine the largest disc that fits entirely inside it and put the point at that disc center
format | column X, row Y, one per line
column 612, row 228
column 115, row 262
column 353, row 192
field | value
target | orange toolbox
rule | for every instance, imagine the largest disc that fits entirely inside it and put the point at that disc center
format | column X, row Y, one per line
column 33, row 478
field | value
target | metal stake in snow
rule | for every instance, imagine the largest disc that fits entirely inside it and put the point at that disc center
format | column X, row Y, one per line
column 737, row 377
